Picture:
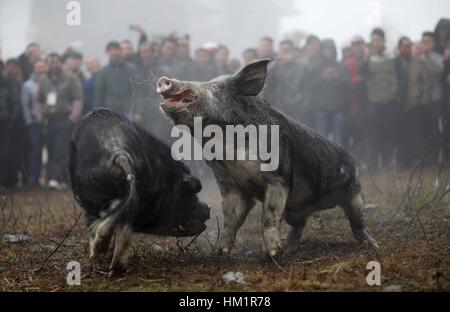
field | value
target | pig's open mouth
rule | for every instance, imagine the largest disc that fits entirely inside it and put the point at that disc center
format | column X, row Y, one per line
column 177, row 101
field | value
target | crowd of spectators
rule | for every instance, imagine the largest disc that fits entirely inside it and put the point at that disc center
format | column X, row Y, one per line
column 390, row 108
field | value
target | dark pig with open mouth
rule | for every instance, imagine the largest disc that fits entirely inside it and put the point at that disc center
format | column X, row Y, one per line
column 313, row 173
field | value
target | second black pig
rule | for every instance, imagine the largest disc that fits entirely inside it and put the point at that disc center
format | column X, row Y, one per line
column 126, row 181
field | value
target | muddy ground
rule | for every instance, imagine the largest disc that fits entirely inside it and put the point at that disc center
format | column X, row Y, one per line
column 408, row 214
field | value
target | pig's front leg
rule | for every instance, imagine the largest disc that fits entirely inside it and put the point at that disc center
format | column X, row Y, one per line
column 273, row 207
column 235, row 206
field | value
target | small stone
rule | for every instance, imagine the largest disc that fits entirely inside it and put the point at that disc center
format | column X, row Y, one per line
column 317, row 225
column 17, row 239
column 250, row 253
column 370, row 206
column 156, row 249
column 48, row 247
column 234, row 277
column 393, row 288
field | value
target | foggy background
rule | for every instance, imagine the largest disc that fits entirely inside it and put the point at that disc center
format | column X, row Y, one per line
column 235, row 23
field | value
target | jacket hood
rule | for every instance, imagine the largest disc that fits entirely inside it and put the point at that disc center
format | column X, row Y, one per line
column 443, row 24
column 329, row 43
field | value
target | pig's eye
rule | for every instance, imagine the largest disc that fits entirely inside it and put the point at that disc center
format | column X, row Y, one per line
column 216, row 87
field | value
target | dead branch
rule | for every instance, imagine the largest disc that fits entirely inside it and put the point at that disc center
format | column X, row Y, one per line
column 59, row 244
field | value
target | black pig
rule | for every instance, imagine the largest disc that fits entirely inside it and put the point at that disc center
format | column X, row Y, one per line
column 313, row 173
column 126, row 181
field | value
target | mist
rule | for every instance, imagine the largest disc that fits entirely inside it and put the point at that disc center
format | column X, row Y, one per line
column 237, row 24
column 266, row 145
column 341, row 20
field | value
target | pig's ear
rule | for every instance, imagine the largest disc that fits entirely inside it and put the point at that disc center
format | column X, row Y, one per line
column 250, row 80
column 192, row 183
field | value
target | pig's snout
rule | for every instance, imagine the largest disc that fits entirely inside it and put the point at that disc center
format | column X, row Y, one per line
column 164, row 85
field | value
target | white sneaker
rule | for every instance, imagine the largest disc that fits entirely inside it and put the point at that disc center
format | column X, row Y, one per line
column 53, row 184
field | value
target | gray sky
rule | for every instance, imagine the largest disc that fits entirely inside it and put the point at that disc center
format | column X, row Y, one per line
column 338, row 19
column 341, row 19
column 13, row 28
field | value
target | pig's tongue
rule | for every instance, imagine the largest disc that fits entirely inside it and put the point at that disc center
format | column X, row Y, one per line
column 177, row 97
column 180, row 96
column 174, row 98
column 171, row 104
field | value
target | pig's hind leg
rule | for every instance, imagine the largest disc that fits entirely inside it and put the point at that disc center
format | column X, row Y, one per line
column 122, row 242
column 111, row 235
column 100, row 237
column 101, row 232
column 353, row 209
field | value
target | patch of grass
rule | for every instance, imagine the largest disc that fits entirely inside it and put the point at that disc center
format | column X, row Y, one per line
column 10, row 258
column 412, row 254
column 103, row 286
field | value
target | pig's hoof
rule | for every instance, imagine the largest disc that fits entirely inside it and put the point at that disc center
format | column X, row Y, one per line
column 225, row 247
column 274, row 248
column 97, row 248
column 365, row 238
column 294, row 235
column 116, row 272
column 372, row 242
column 275, row 254
column 224, row 250
column 94, row 254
